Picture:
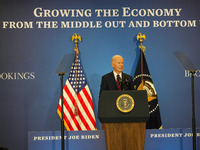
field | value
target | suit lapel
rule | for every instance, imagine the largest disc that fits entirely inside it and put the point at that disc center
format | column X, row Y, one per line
column 126, row 87
column 123, row 78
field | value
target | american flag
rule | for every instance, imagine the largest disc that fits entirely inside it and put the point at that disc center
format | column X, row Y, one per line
column 78, row 110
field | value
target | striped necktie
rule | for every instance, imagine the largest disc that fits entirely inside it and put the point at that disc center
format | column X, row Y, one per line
column 118, row 84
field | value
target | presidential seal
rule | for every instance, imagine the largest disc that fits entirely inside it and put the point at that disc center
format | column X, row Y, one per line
column 149, row 87
column 125, row 103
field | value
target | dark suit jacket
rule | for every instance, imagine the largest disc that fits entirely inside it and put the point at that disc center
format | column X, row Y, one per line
column 108, row 82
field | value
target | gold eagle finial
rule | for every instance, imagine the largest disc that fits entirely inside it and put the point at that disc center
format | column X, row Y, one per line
column 76, row 37
column 140, row 37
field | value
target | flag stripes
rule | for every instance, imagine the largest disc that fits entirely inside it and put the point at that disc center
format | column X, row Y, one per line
column 77, row 100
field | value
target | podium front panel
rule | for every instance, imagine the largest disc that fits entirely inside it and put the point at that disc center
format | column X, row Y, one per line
column 108, row 111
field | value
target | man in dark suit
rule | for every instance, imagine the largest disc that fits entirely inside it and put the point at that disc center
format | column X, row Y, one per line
column 109, row 81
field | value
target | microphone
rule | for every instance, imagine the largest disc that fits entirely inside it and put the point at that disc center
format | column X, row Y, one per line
column 126, row 83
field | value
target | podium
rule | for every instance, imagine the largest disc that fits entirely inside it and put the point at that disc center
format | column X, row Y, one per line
column 123, row 115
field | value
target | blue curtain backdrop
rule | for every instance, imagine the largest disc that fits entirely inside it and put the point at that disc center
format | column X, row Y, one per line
column 34, row 36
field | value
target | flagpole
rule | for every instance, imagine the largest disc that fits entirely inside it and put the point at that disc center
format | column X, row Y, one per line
column 142, row 69
column 76, row 37
column 142, row 51
column 76, row 88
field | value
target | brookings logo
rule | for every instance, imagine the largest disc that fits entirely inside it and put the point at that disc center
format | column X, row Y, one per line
column 125, row 103
column 17, row 76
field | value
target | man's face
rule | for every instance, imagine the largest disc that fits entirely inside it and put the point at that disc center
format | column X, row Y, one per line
column 118, row 64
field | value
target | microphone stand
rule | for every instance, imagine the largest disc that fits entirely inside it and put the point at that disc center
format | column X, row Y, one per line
column 125, row 84
column 193, row 111
column 122, row 86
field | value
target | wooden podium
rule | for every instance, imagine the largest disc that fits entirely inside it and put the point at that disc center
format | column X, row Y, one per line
column 124, row 126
